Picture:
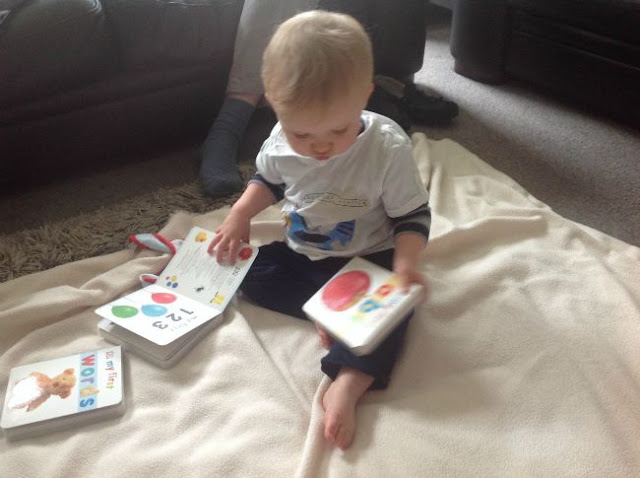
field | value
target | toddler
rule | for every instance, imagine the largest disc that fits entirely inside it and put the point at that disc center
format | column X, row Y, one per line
column 350, row 188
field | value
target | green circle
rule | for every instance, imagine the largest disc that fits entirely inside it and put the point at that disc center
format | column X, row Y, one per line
column 123, row 311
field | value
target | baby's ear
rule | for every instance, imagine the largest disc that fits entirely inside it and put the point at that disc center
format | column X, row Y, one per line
column 368, row 92
column 371, row 88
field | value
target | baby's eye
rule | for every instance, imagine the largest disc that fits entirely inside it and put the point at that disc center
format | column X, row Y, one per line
column 301, row 135
column 338, row 132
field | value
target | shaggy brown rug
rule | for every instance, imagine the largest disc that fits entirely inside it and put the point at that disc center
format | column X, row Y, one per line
column 102, row 231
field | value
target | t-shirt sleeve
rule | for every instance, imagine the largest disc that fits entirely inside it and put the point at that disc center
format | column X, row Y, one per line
column 266, row 166
column 402, row 188
column 276, row 189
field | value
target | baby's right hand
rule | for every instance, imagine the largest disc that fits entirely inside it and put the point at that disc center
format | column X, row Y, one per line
column 229, row 236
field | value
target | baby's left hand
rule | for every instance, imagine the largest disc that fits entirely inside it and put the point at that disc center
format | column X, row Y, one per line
column 408, row 275
column 407, row 259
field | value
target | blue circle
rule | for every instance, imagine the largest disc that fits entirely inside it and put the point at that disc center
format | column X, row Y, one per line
column 153, row 310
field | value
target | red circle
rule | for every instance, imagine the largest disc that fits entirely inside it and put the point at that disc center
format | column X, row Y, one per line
column 345, row 290
column 163, row 297
column 245, row 253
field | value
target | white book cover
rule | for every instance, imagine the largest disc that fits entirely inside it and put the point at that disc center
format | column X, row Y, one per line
column 361, row 304
column 191, row 290
column 50, row 395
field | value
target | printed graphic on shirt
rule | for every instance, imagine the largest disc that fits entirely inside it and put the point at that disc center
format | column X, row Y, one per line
column 333, row 199
column 327, row 238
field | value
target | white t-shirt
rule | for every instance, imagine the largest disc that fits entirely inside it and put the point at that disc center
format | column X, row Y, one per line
column 342, row 206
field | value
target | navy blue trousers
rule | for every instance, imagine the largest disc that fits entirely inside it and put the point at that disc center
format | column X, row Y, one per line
column 283, row 280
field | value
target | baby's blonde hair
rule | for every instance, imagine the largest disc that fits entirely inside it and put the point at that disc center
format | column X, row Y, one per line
column 314, row 58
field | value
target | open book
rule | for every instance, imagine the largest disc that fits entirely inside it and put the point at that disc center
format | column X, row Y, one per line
column 163, row 320
column 361, row 304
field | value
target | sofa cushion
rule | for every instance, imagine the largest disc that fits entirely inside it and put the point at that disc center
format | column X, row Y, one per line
column 49, row 46
column 168, row 33
column 120, row 117
column 117, row 87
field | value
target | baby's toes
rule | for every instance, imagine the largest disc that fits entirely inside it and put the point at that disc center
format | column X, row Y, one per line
column 344, row 437
column 331, row 429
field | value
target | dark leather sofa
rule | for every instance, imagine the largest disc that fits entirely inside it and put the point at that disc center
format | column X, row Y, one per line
column 85, row 82
column 586, row 51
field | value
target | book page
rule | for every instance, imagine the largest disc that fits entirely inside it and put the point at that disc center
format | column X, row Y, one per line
column 191, row 290
column 157, row 314
column 196, row 274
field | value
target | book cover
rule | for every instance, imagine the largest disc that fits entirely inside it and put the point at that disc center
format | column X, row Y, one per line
column 191, row 290
column 55, row 394
column 361, row 304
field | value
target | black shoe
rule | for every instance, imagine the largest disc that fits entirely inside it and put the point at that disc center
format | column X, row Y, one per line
column 420, row 106
column 384, row 103
column 428, row 109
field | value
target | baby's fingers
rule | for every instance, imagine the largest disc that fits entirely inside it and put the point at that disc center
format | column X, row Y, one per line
column 234, row 247
column 221, row 249
column 408, row 279
column 405, row 281
column 212, row 245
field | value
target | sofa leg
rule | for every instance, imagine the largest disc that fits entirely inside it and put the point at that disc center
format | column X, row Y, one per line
column 479, row 39
column 479, row 72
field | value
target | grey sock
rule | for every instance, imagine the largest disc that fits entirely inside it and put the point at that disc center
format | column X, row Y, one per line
column 218, row 171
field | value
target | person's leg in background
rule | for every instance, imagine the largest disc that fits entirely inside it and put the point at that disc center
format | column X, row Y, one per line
column 398, row 33
column 218, row 171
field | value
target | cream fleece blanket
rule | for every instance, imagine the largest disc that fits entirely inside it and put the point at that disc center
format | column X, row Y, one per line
column 524, row 361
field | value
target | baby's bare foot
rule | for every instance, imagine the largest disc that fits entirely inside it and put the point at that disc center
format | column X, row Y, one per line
column 339, row 402
column 325, row 339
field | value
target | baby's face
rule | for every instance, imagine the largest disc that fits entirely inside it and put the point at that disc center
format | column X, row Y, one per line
column 324, row 134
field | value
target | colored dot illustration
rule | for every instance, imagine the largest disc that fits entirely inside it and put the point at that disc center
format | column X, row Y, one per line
column 384, row 290
column 153, row 310
column 123, row 311
column 245, row 253
column 345, row 290
column 172, row 281
column 201, row 237
column 163, row 297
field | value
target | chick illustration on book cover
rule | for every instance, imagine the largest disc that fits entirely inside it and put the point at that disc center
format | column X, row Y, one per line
column 65, row 386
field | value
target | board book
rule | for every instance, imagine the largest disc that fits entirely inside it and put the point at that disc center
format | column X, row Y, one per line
column 62, row 393
column 164, row 356
column 361, row 304
column 163, row 321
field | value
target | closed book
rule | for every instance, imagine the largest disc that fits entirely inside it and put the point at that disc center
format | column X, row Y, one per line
column 361, row 304
column 62, row 393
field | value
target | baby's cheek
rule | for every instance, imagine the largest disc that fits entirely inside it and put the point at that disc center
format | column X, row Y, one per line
column 345, row 143
column 299, row 147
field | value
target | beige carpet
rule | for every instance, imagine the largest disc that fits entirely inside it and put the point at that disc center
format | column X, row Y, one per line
column 102, row 231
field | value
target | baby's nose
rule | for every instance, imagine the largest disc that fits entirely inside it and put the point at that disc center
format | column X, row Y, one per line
column 322, row 148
